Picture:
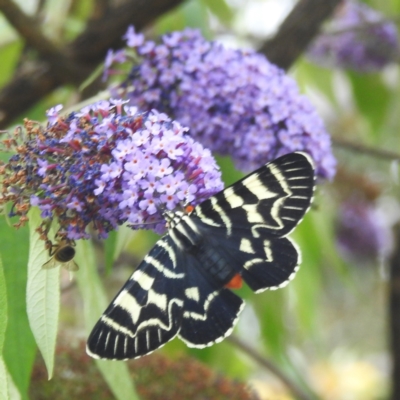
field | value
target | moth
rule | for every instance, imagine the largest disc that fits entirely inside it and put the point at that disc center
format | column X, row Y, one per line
column 183, row 286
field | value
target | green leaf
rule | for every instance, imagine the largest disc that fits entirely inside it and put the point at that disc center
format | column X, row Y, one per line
column 124, row 236
column 309, row 75
column 19, row 345
column 13, row 392
column 220, row 9
column 307, row 284
column 8, row 390
column 270, row 309
column 230, row 174
column 9, row 55
column 92, row 77
column 395, row 6
column 190, row 14
column 3, row 307
column 109, row 251
column 116, row 374
column 3, row 381
column 42, row 294
column 115, row 244
column 372, row 97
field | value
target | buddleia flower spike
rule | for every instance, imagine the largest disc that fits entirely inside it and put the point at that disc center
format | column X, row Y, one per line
column 235, row 101
column 103, row 166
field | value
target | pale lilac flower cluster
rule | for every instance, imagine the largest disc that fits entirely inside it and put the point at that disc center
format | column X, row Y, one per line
column 359, row 38
column 107, row 164
column 361, row 231
column 234, row 101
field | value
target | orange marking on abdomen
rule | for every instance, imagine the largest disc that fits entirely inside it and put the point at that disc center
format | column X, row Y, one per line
column 235, row 283
column 189, row 209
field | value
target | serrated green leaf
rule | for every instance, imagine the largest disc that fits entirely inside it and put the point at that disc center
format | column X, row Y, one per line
column 3, row 307
column 3, row 381
column 42, row 294
column 116, row 374
column 19, row 346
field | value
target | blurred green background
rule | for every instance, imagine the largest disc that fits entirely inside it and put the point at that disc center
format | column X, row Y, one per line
column 328, row 330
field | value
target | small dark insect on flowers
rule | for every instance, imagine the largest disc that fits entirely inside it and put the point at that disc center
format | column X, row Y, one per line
column 62, row 253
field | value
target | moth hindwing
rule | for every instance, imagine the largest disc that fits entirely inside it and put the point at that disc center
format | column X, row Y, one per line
column 181, row 288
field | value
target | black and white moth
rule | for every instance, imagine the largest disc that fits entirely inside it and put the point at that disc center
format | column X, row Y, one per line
column 181, row 288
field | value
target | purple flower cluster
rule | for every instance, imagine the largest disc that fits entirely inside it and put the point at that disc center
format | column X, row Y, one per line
column 106, row 164
column 361, row 231
column 234, row 101
column 359, row 38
